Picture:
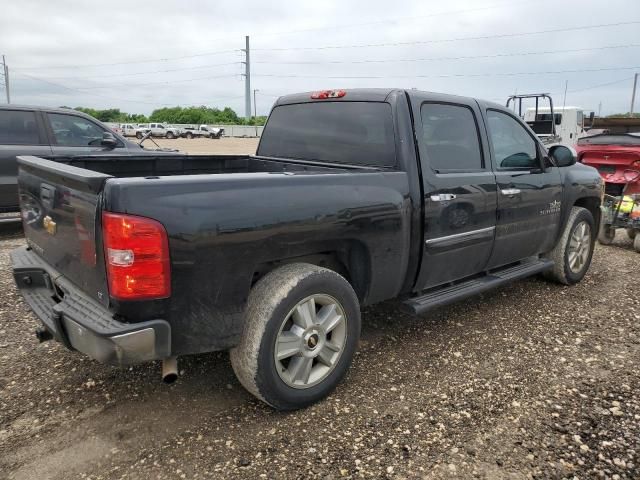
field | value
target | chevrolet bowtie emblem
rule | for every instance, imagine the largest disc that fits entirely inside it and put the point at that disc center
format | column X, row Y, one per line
column 49, row 225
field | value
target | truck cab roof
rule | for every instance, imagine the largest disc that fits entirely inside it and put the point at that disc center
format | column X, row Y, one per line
column 370, row 95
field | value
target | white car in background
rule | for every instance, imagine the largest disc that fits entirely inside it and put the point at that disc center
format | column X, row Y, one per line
column 157, row 130
column 203, row 131
column 114, row 127
column 128, row 129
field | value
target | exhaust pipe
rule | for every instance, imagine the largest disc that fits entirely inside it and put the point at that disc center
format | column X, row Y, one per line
column 170, row 369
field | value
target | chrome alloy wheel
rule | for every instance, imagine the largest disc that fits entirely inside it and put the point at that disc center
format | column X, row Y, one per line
column 579, row 247
column 310, row 341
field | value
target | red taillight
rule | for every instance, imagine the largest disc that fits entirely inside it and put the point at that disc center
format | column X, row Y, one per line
column 324, row 94
column 136, row 251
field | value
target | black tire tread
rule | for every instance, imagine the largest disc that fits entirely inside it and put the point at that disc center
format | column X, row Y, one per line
column 559, row 271
column 266, row 295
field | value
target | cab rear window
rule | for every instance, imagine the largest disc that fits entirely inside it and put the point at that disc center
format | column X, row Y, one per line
column 356, row 133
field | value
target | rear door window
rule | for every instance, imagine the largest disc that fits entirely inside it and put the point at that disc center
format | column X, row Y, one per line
column 19, row 128
column 356, row 133
column 451, row 138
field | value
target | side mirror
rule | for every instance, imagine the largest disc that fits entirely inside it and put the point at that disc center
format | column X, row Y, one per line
column 108, row 140
column 563, row 156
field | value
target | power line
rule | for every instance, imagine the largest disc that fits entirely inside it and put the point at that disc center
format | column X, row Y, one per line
column 601, row 85
column 397, row 19
column 430, row 59
column 71, row 89
column 332, row 27
column 458, row 39
column 199, row 67
column 451, row 75
column 166, row 59
column 164, row 82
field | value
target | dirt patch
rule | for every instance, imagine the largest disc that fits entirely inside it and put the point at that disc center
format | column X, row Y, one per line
column 203, row 146
column 534, row 380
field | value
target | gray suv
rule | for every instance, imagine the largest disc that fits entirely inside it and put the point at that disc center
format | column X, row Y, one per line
column 50, row 132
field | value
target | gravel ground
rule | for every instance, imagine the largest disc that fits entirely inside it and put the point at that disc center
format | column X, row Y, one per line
column 531, row 381
column 203, row 146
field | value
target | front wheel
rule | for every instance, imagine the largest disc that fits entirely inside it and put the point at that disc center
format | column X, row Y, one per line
column 138, row 135
column 632, row 233
column 572, row 254
column 636, row 243
column 301, row 330
column 189, row 135
column 170, row 135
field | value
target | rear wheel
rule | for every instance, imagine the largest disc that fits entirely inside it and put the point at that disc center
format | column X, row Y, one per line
column 606, row 234
column 636, row 243
column 189, row 135
column 631, row 233
column 572, row 254
column 301, row 331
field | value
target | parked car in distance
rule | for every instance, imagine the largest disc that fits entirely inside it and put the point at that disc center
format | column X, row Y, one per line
column 50, row 132
column 114, row 127
column 129, row 129
column 354, row 197
column 203, row 131
column 157, row 130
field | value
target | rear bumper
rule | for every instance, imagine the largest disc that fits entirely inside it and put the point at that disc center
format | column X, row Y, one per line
column 81, row 323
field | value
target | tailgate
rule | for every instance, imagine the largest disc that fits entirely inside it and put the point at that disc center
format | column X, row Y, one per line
column 59, row 206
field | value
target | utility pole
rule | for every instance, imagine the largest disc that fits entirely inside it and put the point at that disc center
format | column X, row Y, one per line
column 247, row 80
column 633, row 94
column 5, row 70
column 255, row 110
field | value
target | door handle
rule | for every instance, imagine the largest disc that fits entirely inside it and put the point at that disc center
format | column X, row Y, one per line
column 442, row 197
column 510, row 191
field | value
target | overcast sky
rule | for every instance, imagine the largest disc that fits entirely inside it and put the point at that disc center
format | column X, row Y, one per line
column 140, row 55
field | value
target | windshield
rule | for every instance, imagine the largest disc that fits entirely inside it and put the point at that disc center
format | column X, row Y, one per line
column 609, row 139
column 357, row 133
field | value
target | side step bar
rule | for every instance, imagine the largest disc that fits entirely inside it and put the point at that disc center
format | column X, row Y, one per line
column 445, row 295
column 13, row 217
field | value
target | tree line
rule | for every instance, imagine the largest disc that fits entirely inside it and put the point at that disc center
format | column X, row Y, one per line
column 184, row 115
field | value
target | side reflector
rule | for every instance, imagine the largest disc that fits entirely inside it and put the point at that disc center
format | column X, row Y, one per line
column 137, row 257
column 324, row 94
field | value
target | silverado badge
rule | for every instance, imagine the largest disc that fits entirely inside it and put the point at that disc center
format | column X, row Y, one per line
column 49, row 225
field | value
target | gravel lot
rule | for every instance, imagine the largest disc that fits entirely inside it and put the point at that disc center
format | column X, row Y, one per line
column 201, row 146
column 532, row 381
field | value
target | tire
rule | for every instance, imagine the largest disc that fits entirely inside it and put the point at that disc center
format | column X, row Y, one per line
column 636, row 243
column 574, row 250
column 138, row 135
column 606, row 234
column 170, row 135
column 189, row 135
column 270, row 316
column 632, row 233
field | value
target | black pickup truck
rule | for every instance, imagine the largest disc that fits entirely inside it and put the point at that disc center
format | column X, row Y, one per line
column 353, row 197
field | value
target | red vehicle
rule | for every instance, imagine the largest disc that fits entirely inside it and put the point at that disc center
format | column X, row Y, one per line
column 617, row 158
column 613, row 154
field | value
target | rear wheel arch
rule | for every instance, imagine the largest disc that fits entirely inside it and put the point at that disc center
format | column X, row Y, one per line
column 349, row 259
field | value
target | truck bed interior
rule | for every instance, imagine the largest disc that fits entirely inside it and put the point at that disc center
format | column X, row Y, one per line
column 168, row 165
